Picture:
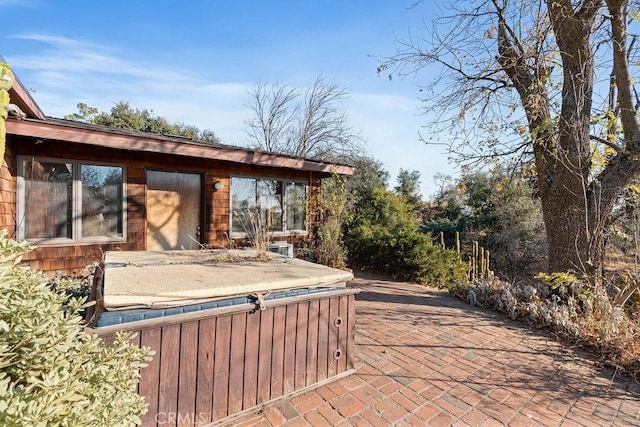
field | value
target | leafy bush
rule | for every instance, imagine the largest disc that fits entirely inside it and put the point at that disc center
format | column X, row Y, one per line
column 52, row 372
column 506, row 218
column 327, row 247
column 383, row 236
column 498, row 210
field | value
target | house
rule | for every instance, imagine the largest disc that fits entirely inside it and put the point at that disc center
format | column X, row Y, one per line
column 77, row 190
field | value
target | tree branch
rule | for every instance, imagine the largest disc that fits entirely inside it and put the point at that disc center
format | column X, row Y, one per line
column 605, row 142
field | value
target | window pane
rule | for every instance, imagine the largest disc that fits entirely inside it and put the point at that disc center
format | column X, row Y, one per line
column 243, row 197
column 102, row 201
column 47, row 205
column 296, row 198
column 271, row 204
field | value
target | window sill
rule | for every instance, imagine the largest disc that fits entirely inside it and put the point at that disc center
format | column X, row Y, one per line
column 238, row 235
column 69, row 242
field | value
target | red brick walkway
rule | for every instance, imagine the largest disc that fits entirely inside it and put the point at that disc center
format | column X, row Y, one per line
column 426, row 358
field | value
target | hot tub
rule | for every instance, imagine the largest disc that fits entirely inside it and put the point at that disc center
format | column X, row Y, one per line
column 231, row 333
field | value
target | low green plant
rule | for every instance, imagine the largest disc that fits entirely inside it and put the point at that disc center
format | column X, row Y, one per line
column 51, row 371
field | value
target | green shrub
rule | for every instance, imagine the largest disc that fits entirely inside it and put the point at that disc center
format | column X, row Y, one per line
column 327, row 247
column 498, row 210
column 51, row 371
column 383, row 236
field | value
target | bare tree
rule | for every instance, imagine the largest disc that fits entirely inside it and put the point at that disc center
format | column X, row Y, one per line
column 309, row 123
column 519, row 78
column 273, row 115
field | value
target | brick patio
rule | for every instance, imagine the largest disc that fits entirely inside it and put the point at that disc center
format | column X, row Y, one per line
column 427, row 358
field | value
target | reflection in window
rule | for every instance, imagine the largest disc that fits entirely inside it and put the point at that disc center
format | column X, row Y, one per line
column 48, row 190
column 102, row 201
column 296, row 206
column 70, row 200
column 271, row 204
column 268, row 203
column 244, row 198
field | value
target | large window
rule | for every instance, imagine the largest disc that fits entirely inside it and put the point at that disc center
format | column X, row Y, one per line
column 276, row 206
column 70, row 201
column 296, row 206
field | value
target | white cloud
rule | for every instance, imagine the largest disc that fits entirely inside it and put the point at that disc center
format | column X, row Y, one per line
column 73, row 56
column 67, row 71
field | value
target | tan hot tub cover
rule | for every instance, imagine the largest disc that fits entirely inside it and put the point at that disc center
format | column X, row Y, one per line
column 175, row 278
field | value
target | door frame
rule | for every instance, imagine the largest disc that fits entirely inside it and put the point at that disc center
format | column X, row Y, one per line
column 201, row 207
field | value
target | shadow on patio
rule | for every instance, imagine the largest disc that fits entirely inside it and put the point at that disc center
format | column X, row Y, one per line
column 426, row 357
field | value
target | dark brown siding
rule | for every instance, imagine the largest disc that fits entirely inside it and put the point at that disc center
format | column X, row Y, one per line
column 8, row 192
column 72, row 258
column 209, row 368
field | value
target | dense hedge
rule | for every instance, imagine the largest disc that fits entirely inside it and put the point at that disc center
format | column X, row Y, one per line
column 383, row 236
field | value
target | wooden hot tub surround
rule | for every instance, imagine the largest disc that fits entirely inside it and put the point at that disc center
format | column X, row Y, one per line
column 213, row 365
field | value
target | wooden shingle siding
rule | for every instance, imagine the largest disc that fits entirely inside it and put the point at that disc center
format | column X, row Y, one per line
column 218, row 366
column 8, row 190
column 72, row 257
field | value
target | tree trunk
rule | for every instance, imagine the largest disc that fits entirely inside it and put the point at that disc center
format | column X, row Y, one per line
column 577, row 200
column 574, row 228
column 572, row 217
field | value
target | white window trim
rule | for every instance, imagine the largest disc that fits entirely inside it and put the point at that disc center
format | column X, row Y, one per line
column 76, row 200
column 283, row 233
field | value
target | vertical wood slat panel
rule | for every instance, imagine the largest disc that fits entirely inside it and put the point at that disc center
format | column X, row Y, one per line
column 237, row 353
column 343, row 312
column 332, row 369
column 135, row 341
column 187, row 373
column 204, row 385
column 277, row 358
column 169, row 366
column 207, row 369
column 107, row 339
column 265, row 355
column 221, row 368
column 323, row 340
column 150, row 376
column 252, row 346
column 351, row 333
column 312, row 342
column 290, row 348
column 300, row 375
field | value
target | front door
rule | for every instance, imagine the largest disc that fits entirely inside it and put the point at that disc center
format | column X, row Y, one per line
column 173, row 210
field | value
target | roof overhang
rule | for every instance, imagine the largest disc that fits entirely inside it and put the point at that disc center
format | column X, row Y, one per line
column 20, row 96
column 141, row 142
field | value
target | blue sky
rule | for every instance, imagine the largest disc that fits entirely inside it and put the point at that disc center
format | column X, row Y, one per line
column 195, row 61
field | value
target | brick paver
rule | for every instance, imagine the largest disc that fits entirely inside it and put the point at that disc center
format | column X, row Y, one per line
column 427, row 358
